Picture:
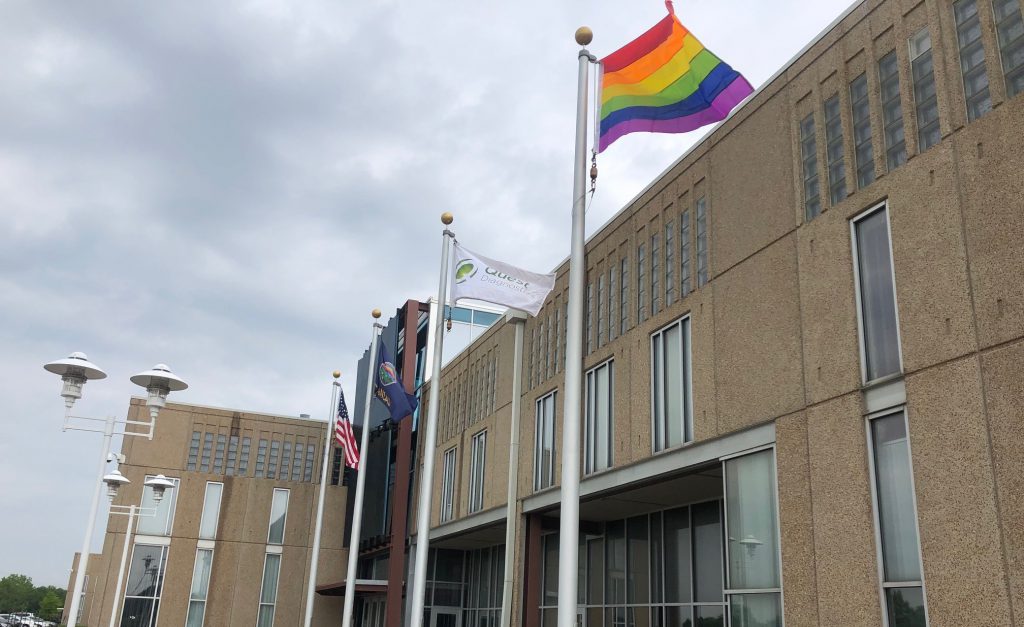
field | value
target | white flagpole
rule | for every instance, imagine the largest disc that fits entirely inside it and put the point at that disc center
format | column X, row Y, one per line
column 314, row 560
column 357, row 506
column 569, row 530
column 512, row 511
column 430, row 439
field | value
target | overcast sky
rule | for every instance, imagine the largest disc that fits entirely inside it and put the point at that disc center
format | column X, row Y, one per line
column 230, row 187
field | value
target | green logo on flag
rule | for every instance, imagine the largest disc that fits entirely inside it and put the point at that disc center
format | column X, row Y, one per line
column 464, row 270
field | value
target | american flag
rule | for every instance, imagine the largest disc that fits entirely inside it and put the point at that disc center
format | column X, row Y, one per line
column 343, row 435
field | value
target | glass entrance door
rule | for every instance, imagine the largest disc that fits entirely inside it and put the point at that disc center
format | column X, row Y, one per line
column 445, row 617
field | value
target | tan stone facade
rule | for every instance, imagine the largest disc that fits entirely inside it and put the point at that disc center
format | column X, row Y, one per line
column 775, row 336
column 197, row 445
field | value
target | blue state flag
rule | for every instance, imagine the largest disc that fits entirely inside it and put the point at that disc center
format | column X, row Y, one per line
column 389, row 389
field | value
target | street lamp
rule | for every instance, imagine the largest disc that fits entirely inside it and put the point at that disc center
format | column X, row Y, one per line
column 160, row 484
column 75, row 371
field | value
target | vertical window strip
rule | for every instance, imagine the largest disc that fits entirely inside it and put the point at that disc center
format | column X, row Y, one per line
column 623, row 295
column 972, row 58
column 702, row 242
column 558, row 336
column 684, row 254
column 892, row 111
column 307, row 473
column 1010, row 29
column 243, row 459
column 602, row 338
column 809, row 155
column 655, row 274
column 598, row 417
column 552, row 341
column 200, row 588
column 864, row 153
column 670, row 263
column 207, row 452
column 533, row 355
column 210, row 518
column 476, row 472
column 613, row 307
column 590, row 316
column 261, row 458
column 834, row 151
column 876, row 296
column 641, row 287
column 268, row 590
column 925, row 98
column 232, row 455
column 544, row 443
column 278, row 516
column 286, row 461
column 896, row 521
column 218, row 457
column 193, row 451
column 448, row 486
column 670, row 385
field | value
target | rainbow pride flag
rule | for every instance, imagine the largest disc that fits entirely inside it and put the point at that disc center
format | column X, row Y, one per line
column 666, row 81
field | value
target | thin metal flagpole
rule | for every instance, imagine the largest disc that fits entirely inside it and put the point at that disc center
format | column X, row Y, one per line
column 357, row 506
column 430, row 440
column 569, row 529
column 512, row 511
column 314, row 560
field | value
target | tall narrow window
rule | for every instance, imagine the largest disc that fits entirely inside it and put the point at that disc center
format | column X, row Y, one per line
column 863, row 151
column 1010, row 29
column 655, row 275
column 641, row 284
column 670, row 263
column 243, row 459
column 193, row 451
column 286, row 460
column 307, row 472
column 702, row 241
column 200, row 588
column 162, row 521
column 207, row 452
column 590, row 317
column 670, row 385
column 476, row 472
column 275, row 455
column 211, row 510
column 896, row 520
column 684, row 254
column 558, row 336
column 145, row 585
column 544, row 443
column 925, row 100
column 623, row 296
column 232, row 455
column 876, row 294
column 268, row 590
column 753, row 575
column 261, row 458
column 532, row 359
column 601, row 293
column 278, row 516
column 448, row 485
column 834, row 151
column 613, row 307
column 809, row 155
column 598, row 420
column 218, row 459
column 892, row 111
column 972, row 58
column 551, row 343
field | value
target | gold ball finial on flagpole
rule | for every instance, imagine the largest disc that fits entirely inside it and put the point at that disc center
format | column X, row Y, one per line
column 447, row 218
column 375, row 313
column 584, row 35
column 337, row 374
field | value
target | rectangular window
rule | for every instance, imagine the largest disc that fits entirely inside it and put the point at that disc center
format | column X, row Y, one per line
column 207, row 452
column 753, row 576
column 670, row 263
column 641, row 284
column 1010, row 28
column 145, row 585
column 670, row 385
column 218, row 459
column 558, row 337
column 193, row 451
column 243, row 459
column 860, row 106
column 876, row 295
column 275, row 455
column 684, row 254
column 286, row 460
column 268, row 590
column 162, row 521
column 278, row 516
column 613, row 308
column 925, row 100
column 544, row 443
column 834, row 151
column 261, row 458
column 702, row 242
column 448, row 485
column 300, row 452
column 200, row 588
column 892, row 111
column 599, row 417
column 655, row 275
column 307, row 472
column 896, row 521
column 601, row 293
column 623, row 296
column 809, row 155
column 232, row 455
column 972, row 58
column 476, row 472
column 551, row 344
column 211, row 510
column 590, row 318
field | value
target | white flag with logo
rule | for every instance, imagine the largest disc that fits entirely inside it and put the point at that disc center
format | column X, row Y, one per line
column 476, row 276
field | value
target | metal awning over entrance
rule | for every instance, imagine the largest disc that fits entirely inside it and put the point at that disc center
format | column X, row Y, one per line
column 363, row 587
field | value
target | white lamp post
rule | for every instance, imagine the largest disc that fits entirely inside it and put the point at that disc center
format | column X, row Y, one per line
column 114, row 480
column 74, row 372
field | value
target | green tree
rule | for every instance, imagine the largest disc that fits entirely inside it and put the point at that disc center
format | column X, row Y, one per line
column 16, row 594
column 49, row 606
